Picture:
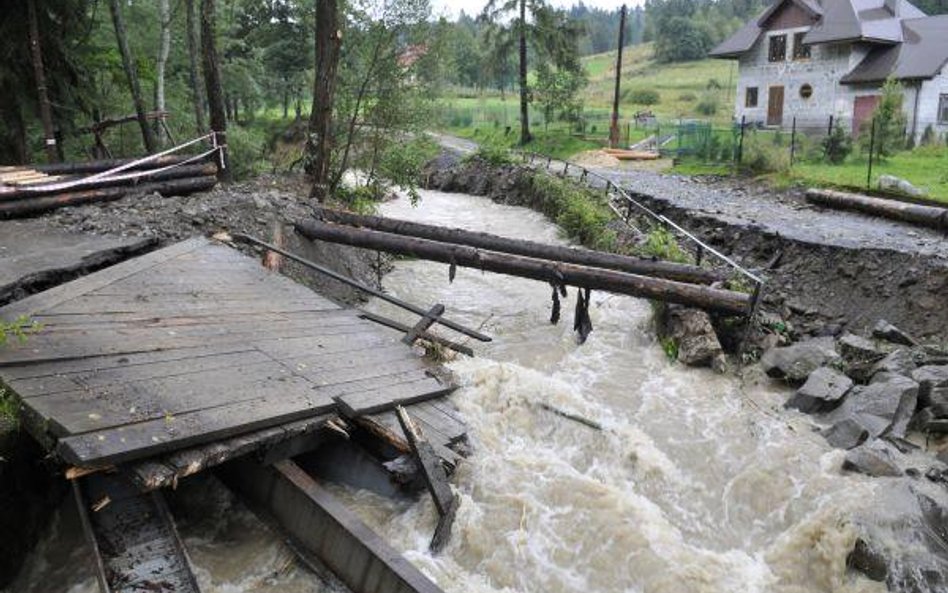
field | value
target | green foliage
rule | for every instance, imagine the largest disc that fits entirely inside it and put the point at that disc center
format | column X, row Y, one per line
column 662, row 244
column 247, row 151
column 928, row 136
column 709, row 103
column 493, row 151
column 670, row 348
column 889, row 121
column 764, row 155
column 362, row 199
column 680, row 39
column 688, row 97
column 581, row 212
column 18, row 329
column 837, row 146
column 642, row 96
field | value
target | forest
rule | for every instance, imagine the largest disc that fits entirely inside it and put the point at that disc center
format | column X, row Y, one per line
column 104, row 78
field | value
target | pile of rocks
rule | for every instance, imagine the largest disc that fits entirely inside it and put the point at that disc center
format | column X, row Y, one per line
column 884, row 400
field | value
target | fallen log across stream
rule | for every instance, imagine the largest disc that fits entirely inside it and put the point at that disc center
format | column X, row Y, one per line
column 556, row 273
column 929, row 216
column 586, row 257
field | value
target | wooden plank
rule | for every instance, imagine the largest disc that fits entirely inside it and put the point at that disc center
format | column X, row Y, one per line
column 145, row 439
column 374, row 401
column 48, row 299
column 424, row 324
column 433, row 338
column 431, row 469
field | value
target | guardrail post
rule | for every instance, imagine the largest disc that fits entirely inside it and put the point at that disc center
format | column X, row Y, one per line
column 608, row 187
column 583, row 177
column 793, row 141
column 628, row 211
column 699, row 254
column 872, row 148
column 549, row 160
column 740, row 146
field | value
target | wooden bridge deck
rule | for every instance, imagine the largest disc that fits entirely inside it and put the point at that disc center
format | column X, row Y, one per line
column 192, row 344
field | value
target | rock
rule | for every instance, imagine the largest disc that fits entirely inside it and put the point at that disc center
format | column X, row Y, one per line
column 900, row 362
column 875, row 458
column 899, row 185
column 867, row 561
column 691, row 329
column 932, row 384
column 890, row 333
column 846, row 434
column 795, row 362
column 855, row 348
column 823, row 391
column 885, row 406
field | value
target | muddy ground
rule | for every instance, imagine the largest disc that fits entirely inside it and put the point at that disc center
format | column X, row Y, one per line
column 827, row 272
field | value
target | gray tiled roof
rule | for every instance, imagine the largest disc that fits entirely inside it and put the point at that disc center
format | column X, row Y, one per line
column 877, row 21
column 922, row 54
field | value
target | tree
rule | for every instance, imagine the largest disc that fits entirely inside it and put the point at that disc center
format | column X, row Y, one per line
column 319, row 143
column 889, row 121
column 121, row 37
column 212, row 76
column 164, row 48
column 46, row 114
column 197, row 89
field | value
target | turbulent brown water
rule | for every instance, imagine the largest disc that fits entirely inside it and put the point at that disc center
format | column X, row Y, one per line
column 698, row 482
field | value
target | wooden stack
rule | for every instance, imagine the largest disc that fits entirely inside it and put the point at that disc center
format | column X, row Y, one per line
column 26, row 191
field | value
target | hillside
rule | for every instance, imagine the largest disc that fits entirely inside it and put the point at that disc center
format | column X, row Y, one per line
column 680, row 86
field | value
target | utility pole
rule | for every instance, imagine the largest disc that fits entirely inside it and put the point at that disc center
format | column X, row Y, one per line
column 614, row 128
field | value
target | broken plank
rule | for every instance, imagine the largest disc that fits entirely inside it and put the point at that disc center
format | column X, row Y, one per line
column 379, row 400
column 431, row 470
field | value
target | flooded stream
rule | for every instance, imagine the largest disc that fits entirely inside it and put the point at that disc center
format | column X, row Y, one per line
column 697, row 484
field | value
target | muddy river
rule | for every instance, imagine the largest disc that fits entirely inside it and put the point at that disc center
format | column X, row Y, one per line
column 698, row 483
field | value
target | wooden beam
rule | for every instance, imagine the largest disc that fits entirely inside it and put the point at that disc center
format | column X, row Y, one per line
column 586, row 257
column 702, row 297
column 427, row 320
column 423, row 335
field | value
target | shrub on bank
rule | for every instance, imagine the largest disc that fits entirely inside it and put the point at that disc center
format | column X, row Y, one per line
column 581, row 212
column 762, row 155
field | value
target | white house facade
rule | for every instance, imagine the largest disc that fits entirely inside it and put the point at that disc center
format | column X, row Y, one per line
column 811, row 61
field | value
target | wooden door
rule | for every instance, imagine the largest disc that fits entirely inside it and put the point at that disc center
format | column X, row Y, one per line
column 775, row 106
column 864, row 107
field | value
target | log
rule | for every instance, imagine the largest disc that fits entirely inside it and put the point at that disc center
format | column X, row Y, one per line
column 36, row 205
column 586, row 257
column 929, row 216
column 105, row 164
column 702, row 297
column 184, row 171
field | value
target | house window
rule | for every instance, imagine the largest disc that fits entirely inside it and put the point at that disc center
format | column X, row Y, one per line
column 806, row 91
column 943, row 110
column 800, row 51
column 750, row 97
column 778, row 48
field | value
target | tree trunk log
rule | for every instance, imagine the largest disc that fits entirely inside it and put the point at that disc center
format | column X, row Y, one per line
column 39, row 73
column 185, row 171
column 197, row 89
column 319, row 144
column 632, row 265
column 164, row 49
column 127, row 64
column 930, row 216
column 212, row 79
column 33, row 206
column 702, row 297
column 525, row 135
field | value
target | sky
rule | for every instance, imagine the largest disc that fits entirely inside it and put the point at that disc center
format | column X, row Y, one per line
column 451, row 8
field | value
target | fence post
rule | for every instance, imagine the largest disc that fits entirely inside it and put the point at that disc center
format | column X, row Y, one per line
column 740, row 146
column 565, row 168
column 872, row 147
column 793, row 141
column 829, row 129
column 608, row 186
column 628, row 134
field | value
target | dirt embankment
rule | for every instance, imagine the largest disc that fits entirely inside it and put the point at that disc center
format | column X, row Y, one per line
column 813, row 288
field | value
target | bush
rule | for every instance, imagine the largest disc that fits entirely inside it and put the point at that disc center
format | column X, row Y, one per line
column 662, row 244
column 928, row 136
column 708, row 105
column 763, row 156
column 643, row 97
column 581, row 212
column 837, row 146
column 889, row 121
column 245, row 150
column 493, row 152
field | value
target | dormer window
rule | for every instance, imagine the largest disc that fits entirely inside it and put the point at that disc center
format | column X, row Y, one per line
column 800, row 51
column 778, row 48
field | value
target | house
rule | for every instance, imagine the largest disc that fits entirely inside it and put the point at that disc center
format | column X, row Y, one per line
column 812, row 59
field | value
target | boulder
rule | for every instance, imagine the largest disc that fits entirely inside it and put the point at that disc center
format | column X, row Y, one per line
column 898, row 185
column 795, row 362
column 890, row 333
column 823, row 391
column 884, row 406
column 868, row 561
column 846, row 434
column 932, row 384
column 875, row 458
column 899, row 362
column 855, row 348
column 691, row 329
